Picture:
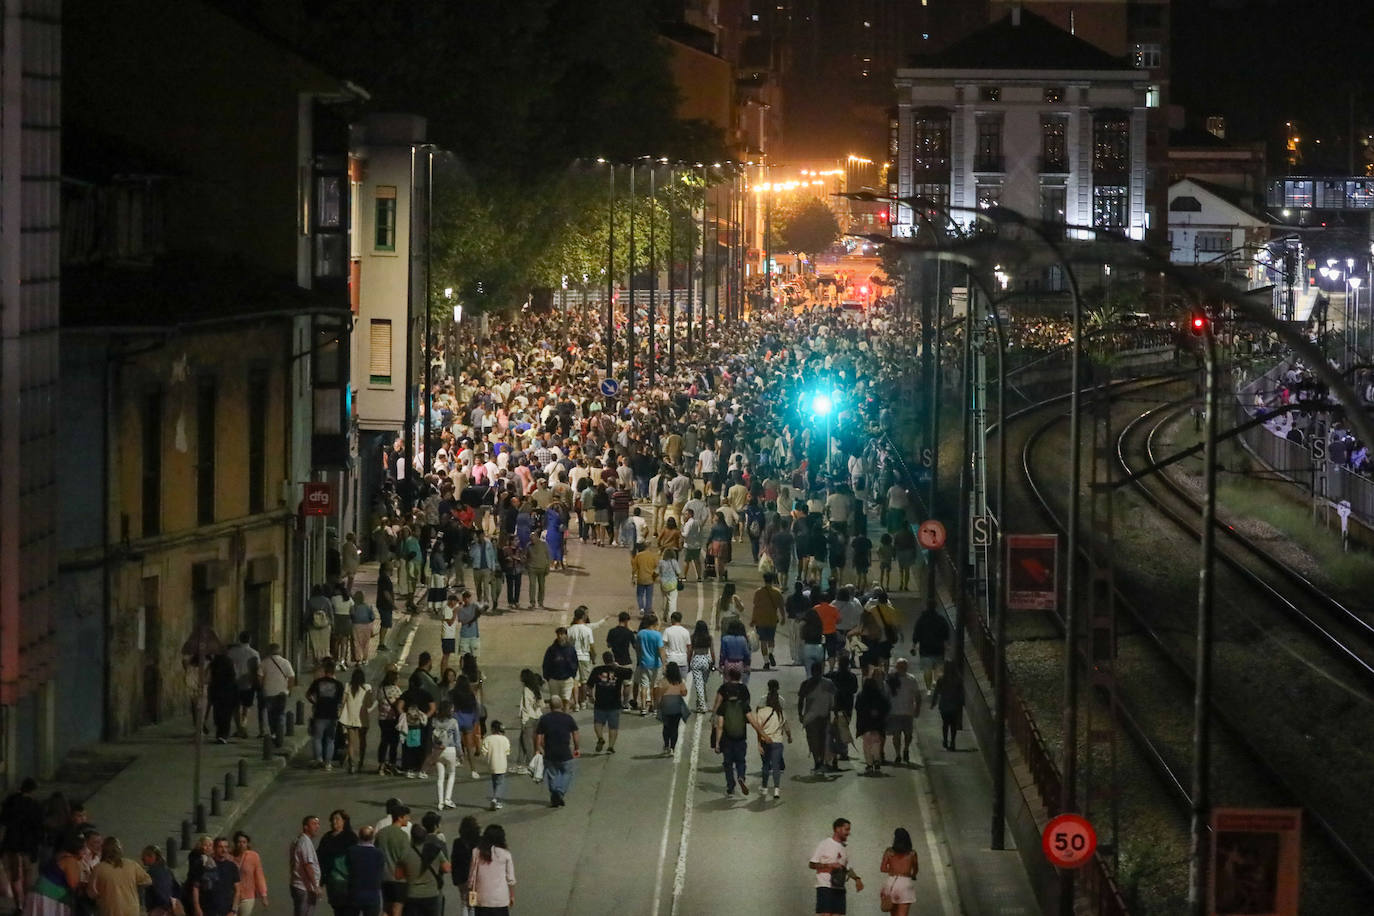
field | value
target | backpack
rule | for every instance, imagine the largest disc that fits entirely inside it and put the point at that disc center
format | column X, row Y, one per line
column 755, row 528
column 733, row 718
column 320, row 619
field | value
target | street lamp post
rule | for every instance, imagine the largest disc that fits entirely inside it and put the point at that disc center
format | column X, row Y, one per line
column 630, row 303
column 672, row 255
column 610, row 279
column 822, row 404
column 653, row 271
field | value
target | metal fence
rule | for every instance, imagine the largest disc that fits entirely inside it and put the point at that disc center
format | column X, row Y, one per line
column 1295, row 461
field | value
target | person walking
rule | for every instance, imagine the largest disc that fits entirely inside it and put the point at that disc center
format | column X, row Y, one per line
column 252, row 882
column 605, row 684
column 464, row 845
column 701, row 660
column 358, row 702
column 556, row 738
column 948, row 697
column 772, row 729
column 767, row 612
column 513, row 567
column 905, row 695
column 584, row 644
column 531, row 708
column 491, row 878
column 672, row 706
column 538, row 559
column 363, row 616
column 669, row 580
column 325, row 694
column 560, row 667
column 115, row 882
column 447, row 741
column 496, row 752
column 643, row 575
column 830, row 862
column 425, row 886
column 900, row 864
column 928, row 638
column 278, row 677
column 649, row 642
column 334, row 845
column 735, row 654
column 389, row 721
column 815, row 704
column 216, row 891
column 870, row 717
column 730, row 735
column 366, row 869
column 399, row 860
column 246, row 663
column 482, row 557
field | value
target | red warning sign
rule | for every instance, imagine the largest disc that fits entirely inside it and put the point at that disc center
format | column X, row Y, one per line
column 1069, row 841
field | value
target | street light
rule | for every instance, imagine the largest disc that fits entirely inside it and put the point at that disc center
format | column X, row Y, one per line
column 822, row 405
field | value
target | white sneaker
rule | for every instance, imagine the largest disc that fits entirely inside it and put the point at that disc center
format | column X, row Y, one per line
column 777, row 793
column 423, row 775
column 410, row 774
column 475, row 776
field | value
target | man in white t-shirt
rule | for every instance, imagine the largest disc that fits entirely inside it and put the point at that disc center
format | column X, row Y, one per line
column 277, row 677
column 581, row 636
column 706, row 463
column 830, row 862
column 675, row 641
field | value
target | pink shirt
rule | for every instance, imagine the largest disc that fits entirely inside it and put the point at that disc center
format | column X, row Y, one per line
column 492, row 880
column 252, row 882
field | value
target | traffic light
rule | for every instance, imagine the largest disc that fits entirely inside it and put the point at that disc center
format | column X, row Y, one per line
column 1197, row 324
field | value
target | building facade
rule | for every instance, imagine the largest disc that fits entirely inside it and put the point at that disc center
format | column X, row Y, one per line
column 1024, row 115
column 30, row 224
column 1210, row 227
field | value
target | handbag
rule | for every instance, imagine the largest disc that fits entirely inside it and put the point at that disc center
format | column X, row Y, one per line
column 472, row 884
column 537, row 767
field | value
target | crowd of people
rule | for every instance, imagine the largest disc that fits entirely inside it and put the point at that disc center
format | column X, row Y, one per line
column 710, row 462
column 1295, row 386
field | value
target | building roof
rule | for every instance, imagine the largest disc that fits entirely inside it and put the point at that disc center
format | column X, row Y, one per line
column 1024, row 42
column 181, row 291
column 1241, row 200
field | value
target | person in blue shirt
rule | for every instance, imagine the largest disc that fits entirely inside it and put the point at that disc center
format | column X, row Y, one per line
column 482, row 559
column 650, row 662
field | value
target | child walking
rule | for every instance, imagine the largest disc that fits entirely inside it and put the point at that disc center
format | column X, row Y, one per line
column 496, row 750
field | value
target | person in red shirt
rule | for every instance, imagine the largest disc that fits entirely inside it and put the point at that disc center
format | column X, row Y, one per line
column 830, row 619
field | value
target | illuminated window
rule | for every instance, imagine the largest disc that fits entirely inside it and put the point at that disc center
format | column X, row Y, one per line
column 930, row 145
column 1054, row 93
column 1109, row 206
column 1153, row 96
column 989, row 93
column 1054, row 204
column 1148, row 55
column 1111, row 144
column 1054, row 154
column 987, row 156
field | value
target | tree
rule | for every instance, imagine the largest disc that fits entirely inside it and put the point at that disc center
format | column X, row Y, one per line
column 810, row 229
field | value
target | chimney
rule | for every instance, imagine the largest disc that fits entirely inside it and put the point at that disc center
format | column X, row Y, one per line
column 1016, row 16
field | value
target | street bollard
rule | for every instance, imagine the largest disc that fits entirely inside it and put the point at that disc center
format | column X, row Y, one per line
column 186, row 834
column 171, row 852
column 216, row 809
column 229, row 786
column 200, row 817
column 290, row 724
column 300, row 710
column 243, row 771
column 266, row 748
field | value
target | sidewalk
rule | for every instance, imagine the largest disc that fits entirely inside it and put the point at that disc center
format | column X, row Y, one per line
column 139, row 788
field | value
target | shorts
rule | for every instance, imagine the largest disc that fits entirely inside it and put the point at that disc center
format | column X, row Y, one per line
column 584, row 670
column 448, row 646
column 470, row 645
column 691, row 554
column 766, row 634
column 247, row 697
column 899, row 725
column 930, row 662
column 607, row 717
column 833, row 644
column 829, row 900
column 394, row 892
column 601, row 516
column 646, row 677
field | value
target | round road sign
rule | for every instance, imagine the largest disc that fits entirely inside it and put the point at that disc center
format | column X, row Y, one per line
column 1069, row 841
column 931, row 535
column 609, row 387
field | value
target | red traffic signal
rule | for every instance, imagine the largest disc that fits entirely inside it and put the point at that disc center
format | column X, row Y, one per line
column 1197, row 324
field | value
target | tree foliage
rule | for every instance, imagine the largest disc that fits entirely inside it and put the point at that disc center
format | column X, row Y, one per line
column 810, row 228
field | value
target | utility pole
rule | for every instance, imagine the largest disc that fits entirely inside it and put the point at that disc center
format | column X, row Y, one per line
column 653, row 271
column 610, row 282
column 672, row 255
column 630, row 305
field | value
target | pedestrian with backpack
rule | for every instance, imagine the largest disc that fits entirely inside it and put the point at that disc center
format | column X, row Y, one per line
column 730, row 737
column 772, row 728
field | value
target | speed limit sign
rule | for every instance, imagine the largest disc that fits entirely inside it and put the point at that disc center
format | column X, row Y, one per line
column 1069, row 841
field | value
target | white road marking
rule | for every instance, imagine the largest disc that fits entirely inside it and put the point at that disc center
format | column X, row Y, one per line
column 410, row 641
column 667, row 829
column 948, row 904
column 680, row 874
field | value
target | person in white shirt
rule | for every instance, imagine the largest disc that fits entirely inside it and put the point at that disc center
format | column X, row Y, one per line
column 246, row 662
column 839, row 505
column 830, row 862
column 675, row 641
column 582, row 639
column 680, row 487
column 496, row 752
column 277, row 676
column 305, row 868
column 706, row 463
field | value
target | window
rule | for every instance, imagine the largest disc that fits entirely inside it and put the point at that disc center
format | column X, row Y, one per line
column 989, row 194
column 930, row 145
column 1054, row 151
column 205, row 452
column 385, row 238
column 1212, row 242
column 987, row 157
column 1147, row 55
column 1109, row 206
column 379, row 352
column 151, row 464
column 989, row 93
column 258, row 382
column 1111, row 145
column 937, row 194
column 1153, row 96
column 1185, row 203
column 1054, row 204
column 1054, row 93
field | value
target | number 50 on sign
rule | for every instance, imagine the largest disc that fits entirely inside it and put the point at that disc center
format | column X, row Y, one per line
column 1069, row 841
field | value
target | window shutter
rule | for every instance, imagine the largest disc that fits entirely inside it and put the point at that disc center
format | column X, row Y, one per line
column 379, row 354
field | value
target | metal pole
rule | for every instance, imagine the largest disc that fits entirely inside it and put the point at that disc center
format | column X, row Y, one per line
column 715, row 266
column 610, row 281
column 999, row 735
column 653, row 272
column 630, row 304
column 934, row 313
column 768, row 238
column 672, row 261
column 1202, row 694
column 965, row 476
column 429, row 310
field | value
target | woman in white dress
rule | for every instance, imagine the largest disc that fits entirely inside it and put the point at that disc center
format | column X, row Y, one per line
column 900, row 865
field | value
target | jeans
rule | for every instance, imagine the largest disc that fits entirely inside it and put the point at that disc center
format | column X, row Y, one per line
column 302, row 904
column 498, row 786
column 527, row 740
column 733, row 752
column 644, row 598
column 812, row 654
column 537, row 577
column 772, row 763
column 671, row 724
column 390, row 744
column 485, row 587
column 558, row 777
column 513, row 589
column 322, row 739
column 276, row 716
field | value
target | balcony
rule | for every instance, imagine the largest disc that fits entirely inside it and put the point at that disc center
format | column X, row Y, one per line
column 989, row 164
column 1054, row 165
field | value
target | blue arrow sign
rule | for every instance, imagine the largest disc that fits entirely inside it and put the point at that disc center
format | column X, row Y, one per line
column 609, row 387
